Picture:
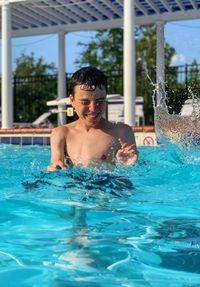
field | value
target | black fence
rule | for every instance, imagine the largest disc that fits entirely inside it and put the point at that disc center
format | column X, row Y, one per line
column 32, row 93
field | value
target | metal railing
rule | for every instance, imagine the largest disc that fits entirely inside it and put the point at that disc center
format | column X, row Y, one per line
column 32, row 93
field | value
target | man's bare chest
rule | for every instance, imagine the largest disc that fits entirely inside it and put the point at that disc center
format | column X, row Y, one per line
column 90, row 147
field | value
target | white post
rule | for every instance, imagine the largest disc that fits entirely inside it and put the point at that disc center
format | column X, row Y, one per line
column 62, row 93
column 129, row 63
column 160, row 59
column 6, row 92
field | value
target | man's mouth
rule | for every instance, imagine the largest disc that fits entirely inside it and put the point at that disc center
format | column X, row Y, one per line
column 92, row 117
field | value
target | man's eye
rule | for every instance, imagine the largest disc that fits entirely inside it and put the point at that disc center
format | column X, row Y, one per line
column 85, row 103
column 99, row 101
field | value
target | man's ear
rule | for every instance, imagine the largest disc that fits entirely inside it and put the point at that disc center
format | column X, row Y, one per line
column 71, row 97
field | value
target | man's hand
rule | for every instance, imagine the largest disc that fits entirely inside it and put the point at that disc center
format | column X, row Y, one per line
column 56, row 165
column 127, row 154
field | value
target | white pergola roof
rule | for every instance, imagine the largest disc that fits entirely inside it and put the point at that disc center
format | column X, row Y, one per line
column 20, row 18
column 36, row 17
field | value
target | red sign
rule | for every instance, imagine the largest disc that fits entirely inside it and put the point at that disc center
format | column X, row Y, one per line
column 148, row 141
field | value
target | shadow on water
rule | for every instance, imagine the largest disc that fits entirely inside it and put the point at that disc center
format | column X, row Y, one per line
column 87, row 183
column 180, row 241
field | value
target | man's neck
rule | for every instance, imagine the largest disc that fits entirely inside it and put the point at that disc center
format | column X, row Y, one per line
column 100, row 125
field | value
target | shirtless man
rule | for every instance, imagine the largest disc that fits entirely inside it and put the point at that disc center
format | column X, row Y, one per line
column 91, row 139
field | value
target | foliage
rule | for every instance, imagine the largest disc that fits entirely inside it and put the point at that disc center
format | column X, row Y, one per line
column 176, row 91
column 32, row 87
column 176, row 97
column 105, row 51
column 179, row 91
column 28, row 65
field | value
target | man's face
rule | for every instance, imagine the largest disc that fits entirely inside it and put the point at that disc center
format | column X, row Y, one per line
column 89, row 104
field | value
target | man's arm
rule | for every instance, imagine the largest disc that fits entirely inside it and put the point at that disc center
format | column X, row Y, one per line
column 58, row 142
column 127, row 153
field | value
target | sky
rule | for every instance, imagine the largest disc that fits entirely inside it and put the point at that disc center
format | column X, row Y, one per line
column 184, row 36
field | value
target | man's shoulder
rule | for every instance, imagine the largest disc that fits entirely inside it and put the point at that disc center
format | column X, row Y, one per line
column 60, row 131
column 121, row 127
column 64, row 128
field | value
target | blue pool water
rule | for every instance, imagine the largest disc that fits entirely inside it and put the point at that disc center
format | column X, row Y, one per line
column 136, row 226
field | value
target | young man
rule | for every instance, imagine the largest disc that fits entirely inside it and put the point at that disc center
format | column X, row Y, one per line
column 91, row 139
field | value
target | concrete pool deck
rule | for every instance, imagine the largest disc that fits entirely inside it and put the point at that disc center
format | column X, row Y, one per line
column 145, row 136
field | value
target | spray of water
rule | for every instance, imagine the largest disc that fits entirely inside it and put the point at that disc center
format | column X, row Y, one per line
column 182, row 132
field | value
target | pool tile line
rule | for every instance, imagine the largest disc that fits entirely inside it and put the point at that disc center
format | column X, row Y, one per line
column 145, row 135
column 25, row 136
column 20, row 140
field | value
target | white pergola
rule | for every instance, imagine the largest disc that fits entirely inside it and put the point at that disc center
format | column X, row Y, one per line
column 21, row 18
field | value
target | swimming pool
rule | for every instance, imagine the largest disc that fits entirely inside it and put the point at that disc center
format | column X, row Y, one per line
column 136, row 226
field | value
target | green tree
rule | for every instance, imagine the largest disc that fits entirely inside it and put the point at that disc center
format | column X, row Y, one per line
column 179, row 91
column 35, row 83
column 28, row 65
column 105, row 51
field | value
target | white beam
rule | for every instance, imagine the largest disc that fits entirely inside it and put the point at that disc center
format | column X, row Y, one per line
column 180, row 5
column 108, row 24
column 79, row 10
column 55, row 15
column 166, row 5
column 19, row 23
column 141, row 7
column 129, row 63
column 32, row 16
column 67, row 10
column 4, row 2
column 113, row 8
column 100, row 8
column 6, row 93
column 153, row 6
column 18, row 1
column 120, row 2
column 168, row 17
column 89, row 26
column 61, row 76
column 160, row 59
column 194, row 4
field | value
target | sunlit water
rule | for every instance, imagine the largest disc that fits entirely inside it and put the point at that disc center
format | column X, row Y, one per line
column 135, row 226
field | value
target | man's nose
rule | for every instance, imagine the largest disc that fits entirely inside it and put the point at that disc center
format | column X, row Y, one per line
column 92, row 106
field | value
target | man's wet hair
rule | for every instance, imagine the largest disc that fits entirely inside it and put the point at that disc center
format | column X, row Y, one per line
column 89, row 78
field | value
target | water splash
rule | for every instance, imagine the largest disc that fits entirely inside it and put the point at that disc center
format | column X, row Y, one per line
column 180, row 132
column 195, row 105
